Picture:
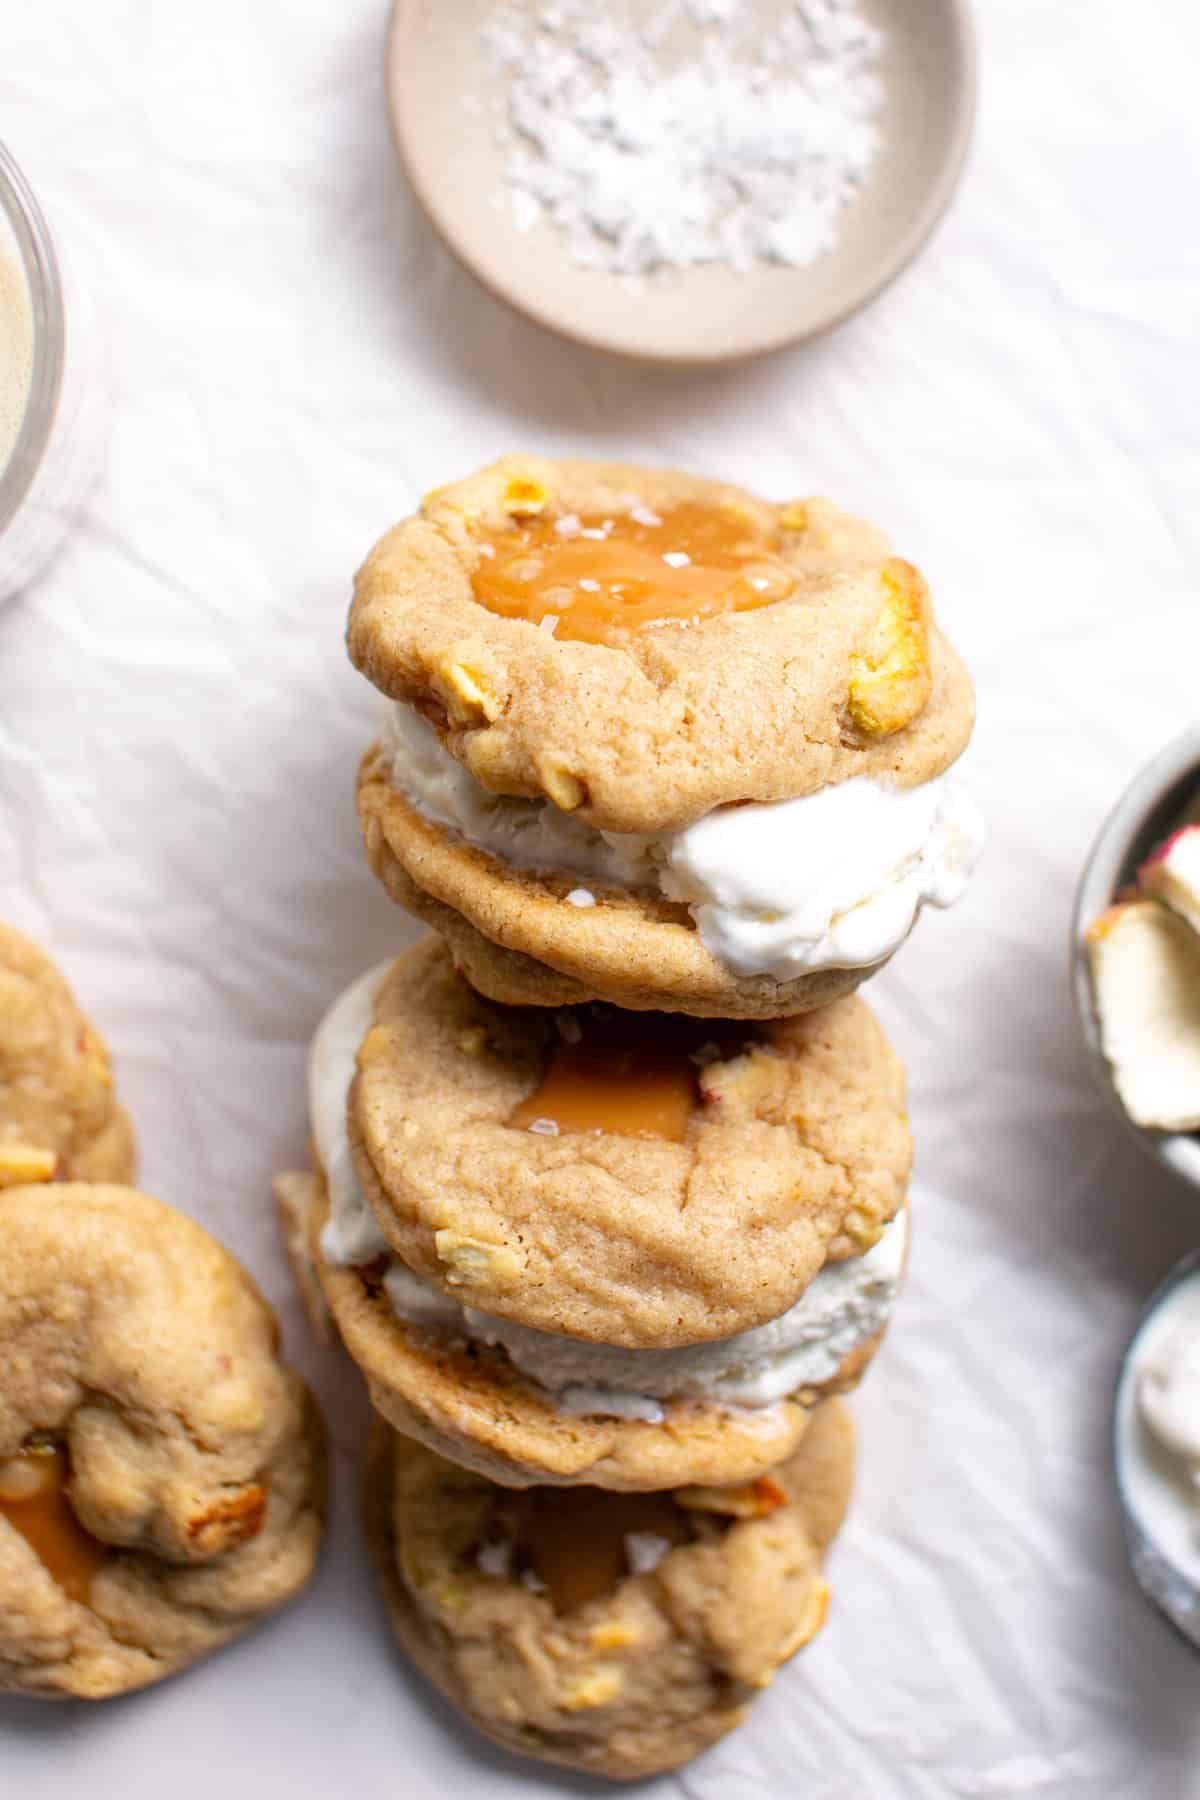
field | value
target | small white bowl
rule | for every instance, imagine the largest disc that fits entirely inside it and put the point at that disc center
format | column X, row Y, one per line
column 1157, row 1530
column 436, row 75
column 1163, row 796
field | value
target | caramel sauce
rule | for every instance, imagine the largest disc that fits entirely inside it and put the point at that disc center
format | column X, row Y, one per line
column 33, row 1499
column 597, row 577
column 573, row 1539
column 631, row 1074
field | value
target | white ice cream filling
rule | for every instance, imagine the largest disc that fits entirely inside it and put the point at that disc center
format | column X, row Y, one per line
column 832, row 880
column 844, row 1305
column 352, row 1234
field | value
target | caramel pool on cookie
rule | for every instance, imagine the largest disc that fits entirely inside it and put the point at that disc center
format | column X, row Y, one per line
column 590, row 579
column 634, row 1076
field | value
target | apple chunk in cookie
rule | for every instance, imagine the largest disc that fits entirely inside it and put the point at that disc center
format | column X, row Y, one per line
column 1145, row 964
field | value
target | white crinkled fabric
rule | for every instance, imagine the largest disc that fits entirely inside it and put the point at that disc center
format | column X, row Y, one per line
column 295, row 361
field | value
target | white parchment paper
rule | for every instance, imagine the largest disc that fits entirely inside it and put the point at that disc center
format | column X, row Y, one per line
column 294, row 359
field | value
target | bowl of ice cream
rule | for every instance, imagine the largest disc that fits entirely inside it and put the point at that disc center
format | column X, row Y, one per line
column 1156, row 1448
column 1135, row 951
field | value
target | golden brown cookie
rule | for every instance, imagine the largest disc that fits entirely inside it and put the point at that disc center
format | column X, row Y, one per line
column 827, row 666
column 59, row 1119
column 162, row 1473
column 644, row 1182
column 470, row 1402
column 617, row 1634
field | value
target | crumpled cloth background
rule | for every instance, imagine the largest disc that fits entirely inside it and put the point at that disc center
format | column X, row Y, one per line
column 294, row 359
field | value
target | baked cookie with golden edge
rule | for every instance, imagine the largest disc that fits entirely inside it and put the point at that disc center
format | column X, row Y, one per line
column 59, row 1118
column 646, row 1181
column 439, row 1374
column 657, row 742
column 162, row 1473
column 707, row 647
column 619, row 1634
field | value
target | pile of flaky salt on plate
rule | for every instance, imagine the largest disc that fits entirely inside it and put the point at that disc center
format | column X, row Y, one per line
column 1144, row 953
column 746, row 150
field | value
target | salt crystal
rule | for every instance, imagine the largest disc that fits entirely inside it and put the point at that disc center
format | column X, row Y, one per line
column 711, row 12
column 581, row 897
column 548, row 624
column 494, row 1559
column 526, row 211
column 677, row 559
column 644, row 516
column 589, row 586
column 544, row 1127
column 644, row 1550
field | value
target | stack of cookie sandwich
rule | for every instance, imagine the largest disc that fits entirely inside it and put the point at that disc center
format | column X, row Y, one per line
column 609, row 1202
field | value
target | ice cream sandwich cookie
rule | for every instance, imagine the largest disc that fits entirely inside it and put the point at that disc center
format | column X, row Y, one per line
column 642, row 1181
column 524, row 1405
column 658, row 742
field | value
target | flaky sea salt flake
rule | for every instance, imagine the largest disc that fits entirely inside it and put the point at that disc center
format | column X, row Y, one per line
column 644, row 1550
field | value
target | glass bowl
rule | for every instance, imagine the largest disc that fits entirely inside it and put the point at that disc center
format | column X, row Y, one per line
column 54, row 456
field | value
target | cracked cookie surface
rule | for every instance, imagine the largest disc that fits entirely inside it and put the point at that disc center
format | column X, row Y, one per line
column 59, row 1117
column 848, row 675
column 612, row 1634
column 794, row 1149
column 162, row 1473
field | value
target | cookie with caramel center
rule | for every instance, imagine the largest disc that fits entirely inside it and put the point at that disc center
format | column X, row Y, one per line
column 616, row 1634
column 640, row 1180
column 162, row 1472
column 638, row 646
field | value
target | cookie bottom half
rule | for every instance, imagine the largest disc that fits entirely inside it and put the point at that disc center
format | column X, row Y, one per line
column 519, row 941
column 616, row 1634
